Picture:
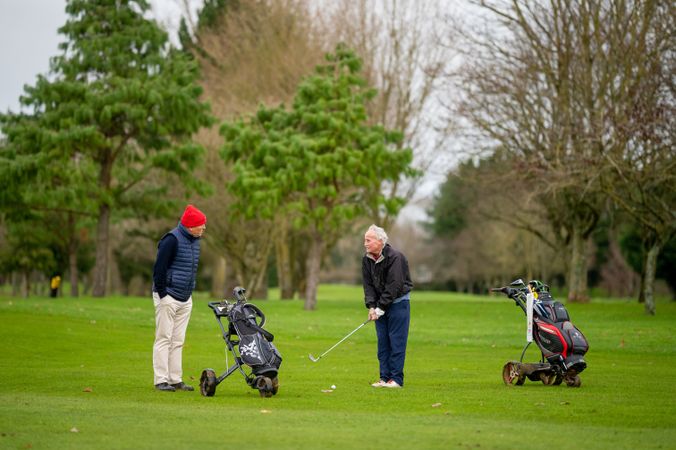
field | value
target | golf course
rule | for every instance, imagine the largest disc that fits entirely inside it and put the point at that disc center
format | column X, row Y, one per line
column 77, row 374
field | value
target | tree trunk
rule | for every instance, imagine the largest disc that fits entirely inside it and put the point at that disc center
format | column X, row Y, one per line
column 218, row 289
column 259, row 285
column 649, row 274
column 101, row 265
column 314, row 261
column 72, row 270
column 26, row 285
column 298, row 256
column 283, row 257
column 261, row 292
column 16, row 284
column 72, row 258
column 577, row 272
column 259, row 280
column 641, row 288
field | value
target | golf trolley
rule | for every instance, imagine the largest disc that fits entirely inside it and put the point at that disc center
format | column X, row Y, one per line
column 249, row 344
column 562, row 345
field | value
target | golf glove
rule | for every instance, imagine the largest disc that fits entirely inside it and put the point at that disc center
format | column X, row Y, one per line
column 379, row 312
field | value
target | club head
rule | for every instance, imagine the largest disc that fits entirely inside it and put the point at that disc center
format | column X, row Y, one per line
column 312, row 358
column 239, row 292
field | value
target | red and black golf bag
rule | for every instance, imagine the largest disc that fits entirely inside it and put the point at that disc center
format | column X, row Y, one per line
column 561, row 342
column 562, row 345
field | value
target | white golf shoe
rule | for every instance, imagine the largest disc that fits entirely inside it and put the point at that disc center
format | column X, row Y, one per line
column 379, row 383
column 392, row 384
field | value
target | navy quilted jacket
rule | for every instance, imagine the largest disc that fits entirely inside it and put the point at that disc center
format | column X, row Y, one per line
column 175, row 271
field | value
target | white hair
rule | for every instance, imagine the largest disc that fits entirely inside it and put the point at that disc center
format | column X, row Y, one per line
column 380, row 233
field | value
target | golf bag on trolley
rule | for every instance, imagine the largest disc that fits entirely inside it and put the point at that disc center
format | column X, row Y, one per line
column 562, row 345
column 250, row 344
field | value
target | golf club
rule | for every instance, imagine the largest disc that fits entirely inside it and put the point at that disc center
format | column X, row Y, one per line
column 313, row 359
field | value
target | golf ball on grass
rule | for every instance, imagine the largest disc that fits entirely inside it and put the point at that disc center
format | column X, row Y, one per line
column 333, row 386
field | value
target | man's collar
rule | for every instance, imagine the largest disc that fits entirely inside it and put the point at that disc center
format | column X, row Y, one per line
column 381, row 256
column 184, row 230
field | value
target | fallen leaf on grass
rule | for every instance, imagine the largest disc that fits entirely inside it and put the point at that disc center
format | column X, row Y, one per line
column 87, row 389
column 74, row 430
column 326, row 391
column 265, row 411
column 565, row 403
column 436, row 405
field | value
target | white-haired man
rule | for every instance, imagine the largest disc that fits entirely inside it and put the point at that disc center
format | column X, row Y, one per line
column 387, row 288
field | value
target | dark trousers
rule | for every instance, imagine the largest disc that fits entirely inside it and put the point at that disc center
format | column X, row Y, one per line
column 392, row 332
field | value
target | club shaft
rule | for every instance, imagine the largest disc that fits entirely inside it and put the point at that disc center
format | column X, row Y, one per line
column 337, row 343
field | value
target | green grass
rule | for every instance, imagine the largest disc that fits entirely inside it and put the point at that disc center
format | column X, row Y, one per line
column 54, row 349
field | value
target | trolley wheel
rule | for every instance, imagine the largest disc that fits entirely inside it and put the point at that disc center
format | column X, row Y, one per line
column 264, row 386
column 547, row 378
column 558, row 379
column 574, row 381
column 510, row 374
column 208, row 383
column 275, row 385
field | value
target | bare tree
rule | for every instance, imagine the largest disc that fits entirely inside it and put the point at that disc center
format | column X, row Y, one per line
column 540, row 84
column 640, row 176
column 399, row 43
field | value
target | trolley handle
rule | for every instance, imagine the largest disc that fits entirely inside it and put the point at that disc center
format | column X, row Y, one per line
column 514, row 294
column 221, row 308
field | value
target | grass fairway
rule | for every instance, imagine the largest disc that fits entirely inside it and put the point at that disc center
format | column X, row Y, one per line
column 55, row 351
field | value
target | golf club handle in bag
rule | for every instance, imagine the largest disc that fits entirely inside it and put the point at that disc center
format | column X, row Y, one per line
column 513, row 294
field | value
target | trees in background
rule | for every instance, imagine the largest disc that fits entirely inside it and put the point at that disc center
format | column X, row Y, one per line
column 570, row 107
column 639, row 173
column 319, row 163
column 548, row 86
column 274, row 44
column 250, row 53
column 118, row 107
column 487, row 229
column 405, row 60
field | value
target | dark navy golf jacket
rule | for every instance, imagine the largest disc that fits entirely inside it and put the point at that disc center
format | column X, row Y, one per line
column 387, row 279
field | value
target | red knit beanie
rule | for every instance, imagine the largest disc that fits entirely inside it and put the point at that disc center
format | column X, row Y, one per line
column 193, row 217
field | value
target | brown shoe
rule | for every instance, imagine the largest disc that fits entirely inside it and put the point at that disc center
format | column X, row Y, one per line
column 182, row 387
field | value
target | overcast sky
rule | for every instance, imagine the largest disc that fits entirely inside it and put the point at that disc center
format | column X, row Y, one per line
column 29, row 38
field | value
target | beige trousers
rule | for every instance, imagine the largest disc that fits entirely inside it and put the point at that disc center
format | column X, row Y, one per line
column 171, row 322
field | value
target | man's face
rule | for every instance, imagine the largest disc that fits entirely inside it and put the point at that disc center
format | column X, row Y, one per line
column 372, row 244
column 197, row 231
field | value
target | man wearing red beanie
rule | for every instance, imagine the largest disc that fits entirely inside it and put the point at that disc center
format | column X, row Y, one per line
column 174, row 276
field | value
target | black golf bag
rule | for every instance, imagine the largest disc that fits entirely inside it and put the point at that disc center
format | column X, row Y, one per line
column 255, row 343
column 562, row 345
column 250, row 344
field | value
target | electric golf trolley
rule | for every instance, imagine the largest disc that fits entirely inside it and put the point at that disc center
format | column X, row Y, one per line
column 561, row 343
column 250, row 345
